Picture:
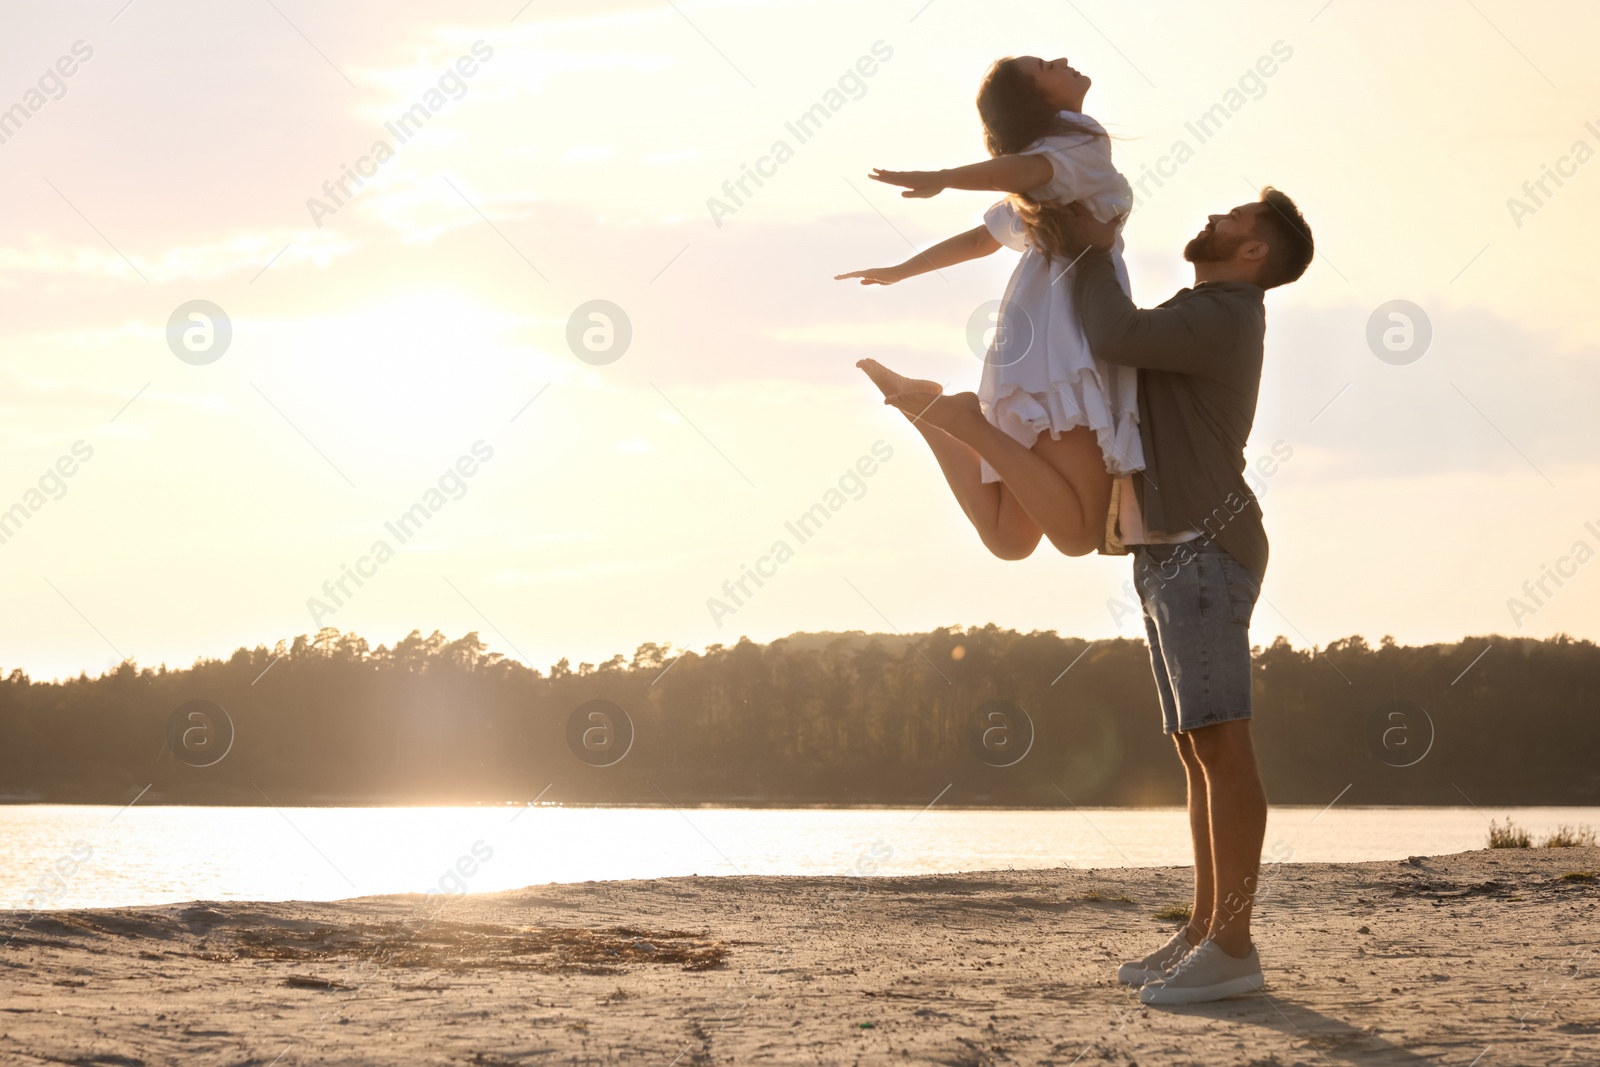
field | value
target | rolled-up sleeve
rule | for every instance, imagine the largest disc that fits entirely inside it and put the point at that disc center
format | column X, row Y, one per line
column 1005, row 226
column 1076, row 169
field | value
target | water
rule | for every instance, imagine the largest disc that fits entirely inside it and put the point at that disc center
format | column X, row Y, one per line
column 89, row 856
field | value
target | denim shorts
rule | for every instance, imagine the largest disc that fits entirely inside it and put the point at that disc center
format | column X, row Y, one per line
column 1197, row 602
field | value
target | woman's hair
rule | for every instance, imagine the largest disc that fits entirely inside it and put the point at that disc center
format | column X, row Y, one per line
column 1015, row 114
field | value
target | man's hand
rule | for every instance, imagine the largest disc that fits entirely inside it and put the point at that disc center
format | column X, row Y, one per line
column 1086, row 231
column 918, row 183
column 874, row 276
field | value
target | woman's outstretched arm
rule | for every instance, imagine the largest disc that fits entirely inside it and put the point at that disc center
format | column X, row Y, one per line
column 1002, row 174
column 974, row 244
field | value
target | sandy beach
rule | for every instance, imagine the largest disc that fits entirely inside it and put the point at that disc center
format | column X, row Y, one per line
column 1486, row 958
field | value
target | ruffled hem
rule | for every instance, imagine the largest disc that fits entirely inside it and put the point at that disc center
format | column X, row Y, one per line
column 1023, row 415
column 1057, row 385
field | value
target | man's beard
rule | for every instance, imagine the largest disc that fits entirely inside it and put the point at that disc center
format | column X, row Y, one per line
column 1209, row 247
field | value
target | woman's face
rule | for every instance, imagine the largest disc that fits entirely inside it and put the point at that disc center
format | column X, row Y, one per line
column 1058, row 80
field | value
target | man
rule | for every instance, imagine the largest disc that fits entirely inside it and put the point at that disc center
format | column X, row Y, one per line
column 1199, row 553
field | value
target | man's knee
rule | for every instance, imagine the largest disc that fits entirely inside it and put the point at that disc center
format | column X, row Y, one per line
column 1185, row 746
column 1224, row 741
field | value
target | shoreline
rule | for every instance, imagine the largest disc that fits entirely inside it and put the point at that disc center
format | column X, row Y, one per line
column 1431, row 960
column 753, row 805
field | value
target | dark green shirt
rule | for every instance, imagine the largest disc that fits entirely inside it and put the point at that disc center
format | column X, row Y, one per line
column 1199, row 361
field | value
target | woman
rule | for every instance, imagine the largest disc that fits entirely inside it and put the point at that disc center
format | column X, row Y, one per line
column 1034, row 452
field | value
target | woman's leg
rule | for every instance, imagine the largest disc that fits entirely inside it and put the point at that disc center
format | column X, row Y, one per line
column 1061, row 483
column 1076, row 519
column 1003, row 526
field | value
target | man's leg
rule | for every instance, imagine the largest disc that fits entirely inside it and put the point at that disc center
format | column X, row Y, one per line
column 1205, row 886
column 1158, row 963
column 1237, row 806
column 1202, row 615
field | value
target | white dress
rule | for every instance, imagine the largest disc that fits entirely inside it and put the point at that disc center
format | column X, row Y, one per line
column 1038, row 372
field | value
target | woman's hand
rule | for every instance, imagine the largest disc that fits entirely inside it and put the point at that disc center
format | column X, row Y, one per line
column 874, row 276
column 917, row 183
column 973, row 244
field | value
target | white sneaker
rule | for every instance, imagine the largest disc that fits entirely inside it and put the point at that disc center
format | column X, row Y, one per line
column 1208, row 973
column 1159, row 962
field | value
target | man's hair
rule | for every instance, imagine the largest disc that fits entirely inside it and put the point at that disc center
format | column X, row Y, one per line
column 1288, row 237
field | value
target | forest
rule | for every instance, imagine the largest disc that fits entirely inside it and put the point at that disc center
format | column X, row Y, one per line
column 979, row 716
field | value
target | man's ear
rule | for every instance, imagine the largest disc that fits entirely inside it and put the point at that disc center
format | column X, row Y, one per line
column 1253, row 252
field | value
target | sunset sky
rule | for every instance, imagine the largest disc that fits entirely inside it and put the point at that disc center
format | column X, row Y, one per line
column 380, row 335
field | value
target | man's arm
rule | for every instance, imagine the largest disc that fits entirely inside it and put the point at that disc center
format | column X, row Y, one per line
column 1194, row 337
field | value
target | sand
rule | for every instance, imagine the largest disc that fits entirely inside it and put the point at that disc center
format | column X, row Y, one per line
column 1486, row 958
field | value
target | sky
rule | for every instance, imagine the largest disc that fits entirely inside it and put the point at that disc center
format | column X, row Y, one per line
column 589, row 484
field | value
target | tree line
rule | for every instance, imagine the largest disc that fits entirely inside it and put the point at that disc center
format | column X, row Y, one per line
column 975, row 716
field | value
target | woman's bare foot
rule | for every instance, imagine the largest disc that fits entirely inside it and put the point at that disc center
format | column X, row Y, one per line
column 955, row 414
column 889, row 383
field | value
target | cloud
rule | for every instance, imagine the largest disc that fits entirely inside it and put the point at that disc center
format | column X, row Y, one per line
column 672, row 156
column 913, row 334
column 422, row 209
column 196, row 262
column 1490, row 394
column 588, row 153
